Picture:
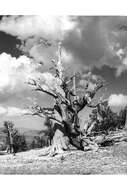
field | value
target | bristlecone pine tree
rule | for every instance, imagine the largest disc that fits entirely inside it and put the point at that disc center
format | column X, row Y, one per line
column 67, row 105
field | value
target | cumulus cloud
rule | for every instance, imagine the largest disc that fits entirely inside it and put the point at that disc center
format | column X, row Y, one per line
column 2, row 110
column 26, row 26
column 117, row 100
column 53, row 27
column 87, row 41
column 49, row 82
column 14, row 72
column 33, row 30
column 12, row 111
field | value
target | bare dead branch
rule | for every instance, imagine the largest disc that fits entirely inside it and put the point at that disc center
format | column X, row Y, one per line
column 38, row 87
column 70, row 79
column 87, row 98
column 35, row 113
column 43, row 112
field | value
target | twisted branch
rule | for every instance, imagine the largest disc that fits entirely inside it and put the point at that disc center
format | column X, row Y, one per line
column 43, row 112
column 38, row 87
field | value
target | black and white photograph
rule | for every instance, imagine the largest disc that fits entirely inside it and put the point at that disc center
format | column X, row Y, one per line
column 63, row 94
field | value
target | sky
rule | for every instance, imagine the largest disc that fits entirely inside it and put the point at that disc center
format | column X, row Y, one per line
column 89, row 43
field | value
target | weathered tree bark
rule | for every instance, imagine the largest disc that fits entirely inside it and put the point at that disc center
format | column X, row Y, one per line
column 60, row 140
column 67, row 131
column 64, row 136
column 67, row 105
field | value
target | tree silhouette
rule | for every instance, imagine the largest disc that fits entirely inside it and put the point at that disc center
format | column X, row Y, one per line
column 14, row 140
column 11, row 132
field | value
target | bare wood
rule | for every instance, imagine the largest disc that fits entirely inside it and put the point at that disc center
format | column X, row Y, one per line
column 38, row 87
column 114, row 137
column 67, row 106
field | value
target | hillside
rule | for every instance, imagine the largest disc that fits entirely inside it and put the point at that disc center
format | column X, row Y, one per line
column 111, row 160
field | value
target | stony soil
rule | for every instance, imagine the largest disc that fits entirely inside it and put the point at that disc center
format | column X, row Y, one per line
column 110, row 160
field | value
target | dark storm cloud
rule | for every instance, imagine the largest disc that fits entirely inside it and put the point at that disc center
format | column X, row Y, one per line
column 94, row 39
column 8, row 44
column 87, row 45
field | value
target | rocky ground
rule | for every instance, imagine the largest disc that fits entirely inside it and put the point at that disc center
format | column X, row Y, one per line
column 110, row 160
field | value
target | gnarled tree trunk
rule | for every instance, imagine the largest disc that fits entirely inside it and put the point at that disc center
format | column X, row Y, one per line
column 60, row 140
column 67, row 105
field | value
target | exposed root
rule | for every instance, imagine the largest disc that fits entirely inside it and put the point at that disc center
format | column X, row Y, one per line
column 89, row 144
column 46, row 152
column 53, row 151
column 59, row 145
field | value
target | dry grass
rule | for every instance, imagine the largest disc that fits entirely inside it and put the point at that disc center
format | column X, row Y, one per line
column 112, row 160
